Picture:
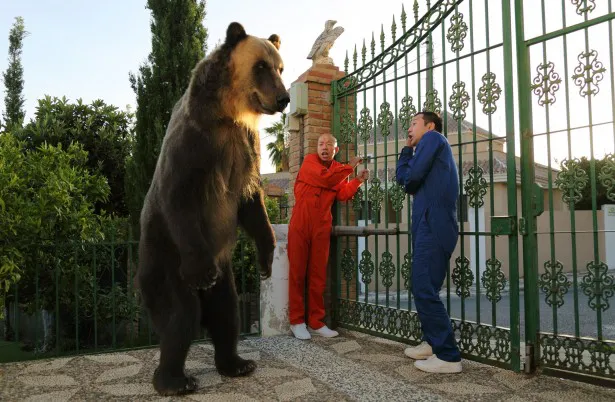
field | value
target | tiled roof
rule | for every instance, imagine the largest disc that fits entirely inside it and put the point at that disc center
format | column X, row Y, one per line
column 450, row 126
column 499, row 167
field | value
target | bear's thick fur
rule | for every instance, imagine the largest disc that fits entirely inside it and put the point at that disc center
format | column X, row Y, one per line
column 207, row 182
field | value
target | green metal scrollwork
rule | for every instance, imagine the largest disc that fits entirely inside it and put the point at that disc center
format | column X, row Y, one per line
column 588, row 73
column 473, row 338
column 489, row 93
column 432, row 102
column 387, row 269
column 581, row 355
column 457, row 32
column 406, row 270
column 607, row 176
column 493, row 280
column 598, row 285
column 385, row 119
column 483, row 342
column 357, row 200
column 459, row 101
column 366, row 267
column 376, row 195
column 462, row 277
column 407, row 111
column 476, row 187
column 366, row 124
column 584, row 6
column 397, row 196
column 348, row 128
column 546, row 83
column 571, row 180
column 347, row 265
column 554, row 283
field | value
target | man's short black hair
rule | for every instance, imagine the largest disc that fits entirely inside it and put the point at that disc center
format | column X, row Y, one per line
column 431, row 117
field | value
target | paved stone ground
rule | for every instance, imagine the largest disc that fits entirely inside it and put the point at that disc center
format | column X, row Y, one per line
column 352, row 367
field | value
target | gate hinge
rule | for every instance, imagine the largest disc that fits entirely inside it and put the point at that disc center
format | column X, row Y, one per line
column 503, row 225
column 522, row 226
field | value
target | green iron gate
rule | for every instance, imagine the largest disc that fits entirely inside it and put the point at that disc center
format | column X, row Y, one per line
column 567, row 109
column 518, row 193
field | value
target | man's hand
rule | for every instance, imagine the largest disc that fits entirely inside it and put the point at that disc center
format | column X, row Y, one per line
column 363, row 175
column 409, row 142
column 354, row 162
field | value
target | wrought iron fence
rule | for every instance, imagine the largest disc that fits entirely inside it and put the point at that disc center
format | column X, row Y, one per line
column 79, row 298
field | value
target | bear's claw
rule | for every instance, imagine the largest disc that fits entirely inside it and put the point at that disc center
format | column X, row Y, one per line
column 239, row 367
column 168, row 386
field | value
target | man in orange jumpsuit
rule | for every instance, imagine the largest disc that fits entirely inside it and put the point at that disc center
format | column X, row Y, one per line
column 321, row 180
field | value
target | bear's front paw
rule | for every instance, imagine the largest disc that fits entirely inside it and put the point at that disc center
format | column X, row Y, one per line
column 265, row 262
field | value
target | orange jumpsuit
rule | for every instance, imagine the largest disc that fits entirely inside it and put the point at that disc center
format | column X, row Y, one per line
column 309, row 231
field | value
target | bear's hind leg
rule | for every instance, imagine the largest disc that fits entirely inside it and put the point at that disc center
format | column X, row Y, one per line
column 175, row 339
column 220, row 317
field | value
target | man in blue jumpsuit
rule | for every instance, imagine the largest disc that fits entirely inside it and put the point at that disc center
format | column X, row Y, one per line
column 427, row 170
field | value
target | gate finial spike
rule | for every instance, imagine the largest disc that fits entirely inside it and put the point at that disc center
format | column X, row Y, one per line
column 393, row 28
column 416, row 10
column 373, row 45
column 382, row 37
column 403, row 18
column 364, row 51
column 354, row 57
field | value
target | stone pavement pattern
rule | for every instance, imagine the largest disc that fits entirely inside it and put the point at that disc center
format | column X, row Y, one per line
column 352, row 367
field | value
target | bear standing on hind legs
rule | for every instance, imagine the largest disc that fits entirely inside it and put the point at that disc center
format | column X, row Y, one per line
column 206, row 183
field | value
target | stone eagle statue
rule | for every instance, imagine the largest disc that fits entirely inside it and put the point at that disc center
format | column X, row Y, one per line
column 320, row 50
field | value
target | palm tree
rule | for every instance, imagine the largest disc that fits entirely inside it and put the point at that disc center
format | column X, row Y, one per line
column 278, row 148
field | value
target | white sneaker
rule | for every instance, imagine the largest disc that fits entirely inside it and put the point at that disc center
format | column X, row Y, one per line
column 435, row 365
column 325, row 332
column 420, row 352
column 300, row 331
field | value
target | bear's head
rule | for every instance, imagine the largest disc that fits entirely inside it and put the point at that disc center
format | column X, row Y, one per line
column 256, row 68
column 241, row 79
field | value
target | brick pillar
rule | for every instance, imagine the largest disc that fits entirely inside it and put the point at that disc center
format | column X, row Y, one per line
column 304, row 132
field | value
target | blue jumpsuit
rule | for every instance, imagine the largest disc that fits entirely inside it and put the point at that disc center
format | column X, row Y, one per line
column 430, row 174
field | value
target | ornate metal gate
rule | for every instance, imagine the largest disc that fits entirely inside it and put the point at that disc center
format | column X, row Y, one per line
column 461, row 59
column 567, row 113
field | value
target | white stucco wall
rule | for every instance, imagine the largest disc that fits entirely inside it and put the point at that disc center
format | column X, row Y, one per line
column 274, row 291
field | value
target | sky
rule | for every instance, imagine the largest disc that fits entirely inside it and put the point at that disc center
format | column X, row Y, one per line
column 86, row 49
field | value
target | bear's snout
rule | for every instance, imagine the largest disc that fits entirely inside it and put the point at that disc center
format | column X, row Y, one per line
column 283, row 100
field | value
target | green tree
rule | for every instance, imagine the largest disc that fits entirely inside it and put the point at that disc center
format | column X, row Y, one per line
column 601, row 192
column 178, row 43
column 104, row 132
column 47, row 196
column 13, row 77
column 279, row 147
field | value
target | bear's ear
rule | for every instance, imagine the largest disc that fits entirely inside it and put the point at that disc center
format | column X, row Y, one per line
column 275, row 39
column 235, row 33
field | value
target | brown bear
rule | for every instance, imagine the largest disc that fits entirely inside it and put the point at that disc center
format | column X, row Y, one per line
column 206, row 183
